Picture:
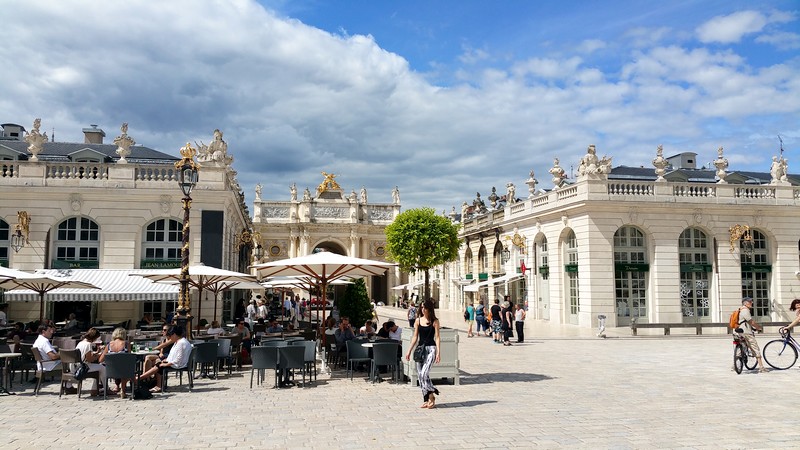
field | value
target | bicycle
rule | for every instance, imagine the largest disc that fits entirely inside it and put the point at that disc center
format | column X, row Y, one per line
column 781, row 353
column 742, row 355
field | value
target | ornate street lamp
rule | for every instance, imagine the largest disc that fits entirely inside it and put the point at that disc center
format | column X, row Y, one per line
column 742, row 232
column 505, row 255
column 21, row 230
column 187, row 178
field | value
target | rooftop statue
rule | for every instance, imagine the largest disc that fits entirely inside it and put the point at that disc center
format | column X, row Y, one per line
column 778, row 170
column 396, row 196
column 306, row 195
column 660, row 164
column 363, row 195
column 293, row 192
column 531, row 182
column 216, row 151
column 328, row 183
column 721, row 164
column 479, row 207
column 35, row 140
column 511, row 192
column 558, row 174
column 123, row 143
column 258, row 191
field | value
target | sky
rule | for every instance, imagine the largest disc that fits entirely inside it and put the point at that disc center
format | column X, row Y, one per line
column 440, row 98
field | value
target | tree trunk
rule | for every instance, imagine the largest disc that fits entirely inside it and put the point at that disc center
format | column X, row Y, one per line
column 427, row 285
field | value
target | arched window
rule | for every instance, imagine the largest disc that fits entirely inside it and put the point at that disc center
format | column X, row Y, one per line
column 77, row 244
column 571, row 269
column 5, row 242
column 544, row 260
column 468, row 262
column 483, row 260
column 630, row 274
column 161, row 247
column 497, row 258
column 756, row 274
column 694, row 256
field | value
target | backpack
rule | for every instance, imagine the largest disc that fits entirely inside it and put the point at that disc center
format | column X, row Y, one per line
column 734, row 321
column 466, row 315
column 142, row 393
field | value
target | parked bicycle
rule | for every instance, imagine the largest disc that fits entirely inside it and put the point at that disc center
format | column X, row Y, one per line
column 742, row 355
column 781, row 353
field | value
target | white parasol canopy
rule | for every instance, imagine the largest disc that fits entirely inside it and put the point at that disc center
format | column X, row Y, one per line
column 41, row 284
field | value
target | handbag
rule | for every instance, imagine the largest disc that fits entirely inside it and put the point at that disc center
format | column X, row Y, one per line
column 420, row 353
column 82, row 371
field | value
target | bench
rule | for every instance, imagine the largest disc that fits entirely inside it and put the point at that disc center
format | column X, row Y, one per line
column 697, row 326
column 449, row 362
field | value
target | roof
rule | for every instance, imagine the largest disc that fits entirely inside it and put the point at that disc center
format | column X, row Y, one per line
column 114, row 284
column 694, row 175
column 60, row 151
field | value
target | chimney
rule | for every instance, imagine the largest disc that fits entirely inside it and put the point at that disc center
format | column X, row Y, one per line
column 93, row 135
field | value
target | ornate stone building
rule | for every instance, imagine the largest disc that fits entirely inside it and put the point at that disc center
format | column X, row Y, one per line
column 113, row 207
column 675, row 243
column 328, row 219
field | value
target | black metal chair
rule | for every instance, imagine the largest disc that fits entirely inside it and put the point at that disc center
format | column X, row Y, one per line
column 292, row 358
column 37, row 356
column 223, row 354
column 385, row 354
column 189, row 369
column 264, row 358
column 310, row 356
column 356, row 354
column 120, row 365
column 205, row 354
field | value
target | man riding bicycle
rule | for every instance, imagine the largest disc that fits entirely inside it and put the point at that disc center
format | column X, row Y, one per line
column 748, row 327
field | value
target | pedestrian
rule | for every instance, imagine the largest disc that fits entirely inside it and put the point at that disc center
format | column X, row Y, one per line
column 519, row 322
column 426, row 332
column 508, row 320
column 497, row 320
column 412, row 314
column 469, row 317
column 480, row 319
column 749, row 328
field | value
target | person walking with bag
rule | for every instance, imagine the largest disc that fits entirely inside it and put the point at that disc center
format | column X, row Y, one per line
column 519, row 322
column 426, row 353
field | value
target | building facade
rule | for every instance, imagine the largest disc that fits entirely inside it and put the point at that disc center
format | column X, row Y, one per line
column 94, row 205
column 675, row 243
column 331, row 220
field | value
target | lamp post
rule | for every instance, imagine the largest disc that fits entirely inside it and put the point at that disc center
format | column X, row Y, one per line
column 505, row 255
column 21, row 230
column 187, row 178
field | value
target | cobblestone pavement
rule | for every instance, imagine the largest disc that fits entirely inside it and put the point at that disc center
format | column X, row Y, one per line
column 563, row 388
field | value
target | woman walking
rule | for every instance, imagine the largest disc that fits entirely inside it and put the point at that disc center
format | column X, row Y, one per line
column 426, row 331
column 508, row 320
column 519, row 322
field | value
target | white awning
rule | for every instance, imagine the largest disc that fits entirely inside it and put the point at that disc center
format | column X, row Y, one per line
column 114, row 284
column 409, row 286
column 399, row 287
column 505, row 278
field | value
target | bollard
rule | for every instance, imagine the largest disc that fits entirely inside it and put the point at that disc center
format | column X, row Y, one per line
column 601, row 325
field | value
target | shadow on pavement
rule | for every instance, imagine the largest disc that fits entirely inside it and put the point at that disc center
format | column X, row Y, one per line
column 501, row 377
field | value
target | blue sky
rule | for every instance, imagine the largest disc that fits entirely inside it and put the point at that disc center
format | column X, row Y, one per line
column 441, row 98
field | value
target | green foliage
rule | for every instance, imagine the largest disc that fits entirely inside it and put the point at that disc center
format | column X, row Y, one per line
column 356, row 304
column 419, row 239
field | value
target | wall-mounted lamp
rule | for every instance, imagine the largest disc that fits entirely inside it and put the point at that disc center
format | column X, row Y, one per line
column 742, row 232
column 21, row 231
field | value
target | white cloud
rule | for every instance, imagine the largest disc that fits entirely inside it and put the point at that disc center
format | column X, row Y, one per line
column 781, row 39
column 733, row 27
column 293, row 100
column 591, row 45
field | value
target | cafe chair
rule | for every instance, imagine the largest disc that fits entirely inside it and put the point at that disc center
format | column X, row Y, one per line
column 292, row 358
column 384, row 354
column 236, row 353
column 275, row 343
column 310, row 356
column 189, row 369
column 223, row 354
column 356, row 354
column 40, row 370
column 120, row 365
column 206, row 357
column 69, row 359
column 264, row 358
column 25, row 363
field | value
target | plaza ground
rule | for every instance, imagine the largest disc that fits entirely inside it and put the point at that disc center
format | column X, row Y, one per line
column 562, row 388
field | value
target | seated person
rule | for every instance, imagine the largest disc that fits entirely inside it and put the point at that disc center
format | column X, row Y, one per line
column 290, row 328
column 367, row 330
column 163, row 350
column 97, row 371
column 274, row 327
column 395, row 332
column 16, row 336
column 119, row 344
column 71, row 322
column 215, row 329
column 343, row 334
column 50, row 357
column 243, row 331
column 383, row 333
column 177, row 359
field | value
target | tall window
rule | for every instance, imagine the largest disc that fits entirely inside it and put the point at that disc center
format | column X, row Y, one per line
column 468, row 261
column 483, row 260
column 163, row 239
column 694, row 256
column 630, row 273
column 571, row 268
column 497, row 258
column 544, row 260
column 5, row 242
column 77, row 243
column 756, row 274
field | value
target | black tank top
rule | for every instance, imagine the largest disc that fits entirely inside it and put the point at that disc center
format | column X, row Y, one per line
column 427, row 335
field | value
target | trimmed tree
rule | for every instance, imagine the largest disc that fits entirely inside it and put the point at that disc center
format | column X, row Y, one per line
column 419, row 239
column 356, row 304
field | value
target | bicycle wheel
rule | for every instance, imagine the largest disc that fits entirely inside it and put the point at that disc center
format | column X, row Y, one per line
column 738, row 358
column 750, row 361
column 779, row 354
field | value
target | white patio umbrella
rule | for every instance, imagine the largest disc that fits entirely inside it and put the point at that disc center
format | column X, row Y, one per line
column 323, row 266
column 41, row 284
column 304, row 283
column 202, row 278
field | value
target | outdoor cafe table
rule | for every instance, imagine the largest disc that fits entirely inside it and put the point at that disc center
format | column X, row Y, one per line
column 140, row 356
column 151, row 327
column 6, row 384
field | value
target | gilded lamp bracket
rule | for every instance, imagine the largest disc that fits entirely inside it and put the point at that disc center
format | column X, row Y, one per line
column 742, row 232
